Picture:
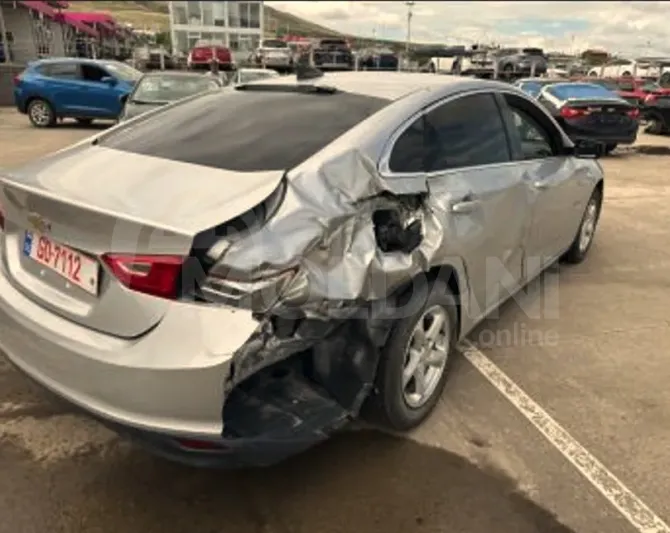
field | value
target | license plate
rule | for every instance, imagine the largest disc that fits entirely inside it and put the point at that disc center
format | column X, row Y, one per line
column 74, row 266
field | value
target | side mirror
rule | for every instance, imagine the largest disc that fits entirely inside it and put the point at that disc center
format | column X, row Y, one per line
column 109, row 80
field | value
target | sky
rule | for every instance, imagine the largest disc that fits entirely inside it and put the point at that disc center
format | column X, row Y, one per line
column 629, row 28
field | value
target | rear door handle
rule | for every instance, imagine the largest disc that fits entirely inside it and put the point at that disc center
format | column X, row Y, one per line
column 466, row 204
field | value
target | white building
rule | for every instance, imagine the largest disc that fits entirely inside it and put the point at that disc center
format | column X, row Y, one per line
column 238, row 25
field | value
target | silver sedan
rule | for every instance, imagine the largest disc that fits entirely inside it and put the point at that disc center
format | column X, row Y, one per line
column 233, row 279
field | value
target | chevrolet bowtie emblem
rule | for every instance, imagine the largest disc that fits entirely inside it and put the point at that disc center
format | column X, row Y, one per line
column 39, row 223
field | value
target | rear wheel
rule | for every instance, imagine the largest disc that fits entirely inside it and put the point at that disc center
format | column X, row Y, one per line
column 587, row 229
column 609, row 148
column 41, row 114
column 655, row 124
column 415, row 361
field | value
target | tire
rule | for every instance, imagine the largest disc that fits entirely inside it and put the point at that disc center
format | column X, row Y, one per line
column 609, row 148
column 656, row 125
column 390, row 404
column 578, row 249
column 84, row 121
column 41, row 113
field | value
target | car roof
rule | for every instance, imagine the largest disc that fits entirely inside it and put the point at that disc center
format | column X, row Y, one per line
column 395, row 85
column 48, row 60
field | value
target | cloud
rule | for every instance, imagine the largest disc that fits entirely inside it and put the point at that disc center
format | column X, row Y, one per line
column 622, row 27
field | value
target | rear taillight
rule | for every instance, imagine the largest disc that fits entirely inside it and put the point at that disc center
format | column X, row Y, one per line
column 157, row 275
column 571, row 112
column 633, row 113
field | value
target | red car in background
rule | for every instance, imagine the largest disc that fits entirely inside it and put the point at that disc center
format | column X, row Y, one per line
column 636, row 90
column 201, row 55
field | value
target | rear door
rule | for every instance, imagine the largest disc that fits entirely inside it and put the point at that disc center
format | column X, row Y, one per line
column 481, row 200
column 552, row 180
column 60, row 84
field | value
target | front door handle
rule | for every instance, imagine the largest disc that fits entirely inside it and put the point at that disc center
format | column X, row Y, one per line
column 542, row 184
column 466, row 204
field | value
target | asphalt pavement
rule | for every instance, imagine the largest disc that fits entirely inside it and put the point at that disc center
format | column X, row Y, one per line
column 588, row 344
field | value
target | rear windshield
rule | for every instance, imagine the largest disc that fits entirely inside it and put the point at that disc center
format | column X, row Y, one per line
column 567, row 91
column 532, row 88
column 246, row 131
column 169, row 87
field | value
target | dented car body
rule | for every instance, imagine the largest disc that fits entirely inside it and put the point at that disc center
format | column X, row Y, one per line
column 248, row 268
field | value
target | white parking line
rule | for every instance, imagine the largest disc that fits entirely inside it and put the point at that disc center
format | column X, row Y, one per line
column 620, row 496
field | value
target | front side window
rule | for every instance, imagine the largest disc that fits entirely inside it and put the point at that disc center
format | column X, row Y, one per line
column 535, row 141
column 92, row 73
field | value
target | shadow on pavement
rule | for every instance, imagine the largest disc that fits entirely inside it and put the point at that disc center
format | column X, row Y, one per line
column 361, row 481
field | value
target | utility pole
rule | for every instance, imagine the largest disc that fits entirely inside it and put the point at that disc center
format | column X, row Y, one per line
column 410, row 5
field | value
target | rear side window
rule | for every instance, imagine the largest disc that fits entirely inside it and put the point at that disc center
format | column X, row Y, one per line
column 246, row 131
column 465, row 132
column 60, row 70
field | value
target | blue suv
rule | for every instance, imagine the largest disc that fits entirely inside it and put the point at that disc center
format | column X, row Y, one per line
column 83, row 89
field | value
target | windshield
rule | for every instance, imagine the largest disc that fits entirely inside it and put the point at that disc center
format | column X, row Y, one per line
column 274, row 43
column 166, row 88
column 568, row 91
column 123, row 71
column 247, row 77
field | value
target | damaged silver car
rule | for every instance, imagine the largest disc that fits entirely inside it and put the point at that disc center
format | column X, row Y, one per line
column 235, row 278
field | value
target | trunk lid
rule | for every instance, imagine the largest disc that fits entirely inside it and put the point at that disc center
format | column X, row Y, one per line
column 82, row 199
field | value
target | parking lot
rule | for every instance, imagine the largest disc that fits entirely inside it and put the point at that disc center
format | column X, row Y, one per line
column 588, row 344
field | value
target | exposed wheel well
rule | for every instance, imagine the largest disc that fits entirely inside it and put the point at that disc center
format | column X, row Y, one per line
column 449, row 275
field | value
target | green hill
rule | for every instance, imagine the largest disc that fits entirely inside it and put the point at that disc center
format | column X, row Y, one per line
column 155, row 15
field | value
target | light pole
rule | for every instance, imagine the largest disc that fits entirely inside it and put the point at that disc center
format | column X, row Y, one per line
column 410, row 5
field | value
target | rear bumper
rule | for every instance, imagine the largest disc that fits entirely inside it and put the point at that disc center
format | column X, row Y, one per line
column 618, row 137
column 168, row 381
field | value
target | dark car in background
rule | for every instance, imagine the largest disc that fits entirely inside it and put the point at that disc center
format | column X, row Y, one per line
column 157, row 89
column 656, row 112
column 591, row 114
column 83, row 89
column 378, row 59
column 520, row 61
column 332, row 54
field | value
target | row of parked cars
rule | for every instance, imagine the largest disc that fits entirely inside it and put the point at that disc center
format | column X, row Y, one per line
column 85, row 90
column 606, row 112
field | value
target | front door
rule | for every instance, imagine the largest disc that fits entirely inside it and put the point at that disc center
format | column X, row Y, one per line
column 554, row 188
column 477, row 194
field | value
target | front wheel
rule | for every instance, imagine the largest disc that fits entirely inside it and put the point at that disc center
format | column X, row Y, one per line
column 587, row 229
column 415, row 360
column 41, row 114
